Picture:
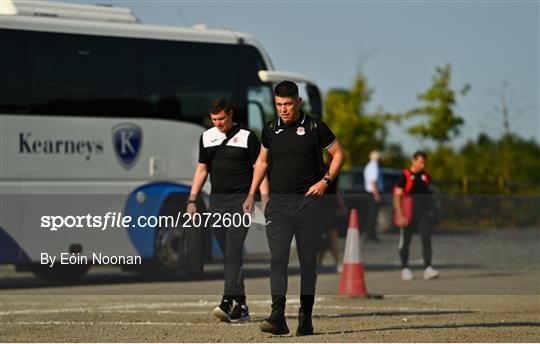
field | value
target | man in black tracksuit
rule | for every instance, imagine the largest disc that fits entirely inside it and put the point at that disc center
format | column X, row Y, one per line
column 291, row 152
column 414, row 185
column 227, row 152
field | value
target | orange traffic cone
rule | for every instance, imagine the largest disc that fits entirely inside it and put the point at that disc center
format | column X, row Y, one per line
column 352, row 279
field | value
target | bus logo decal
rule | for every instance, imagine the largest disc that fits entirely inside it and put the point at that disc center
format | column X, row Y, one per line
column 127, row 139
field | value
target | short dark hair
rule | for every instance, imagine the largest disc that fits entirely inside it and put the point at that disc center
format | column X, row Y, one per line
column 219, row 105
column 286, row 88
column 421, row 154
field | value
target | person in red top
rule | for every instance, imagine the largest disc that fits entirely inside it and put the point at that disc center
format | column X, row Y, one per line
column 411, row 214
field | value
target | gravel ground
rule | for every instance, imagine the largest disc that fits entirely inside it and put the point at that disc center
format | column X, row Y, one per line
column 147, row 318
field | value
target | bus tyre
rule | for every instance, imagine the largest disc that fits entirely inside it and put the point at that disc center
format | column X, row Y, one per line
column 164, row 264
column 167, row 242
column 61, row 273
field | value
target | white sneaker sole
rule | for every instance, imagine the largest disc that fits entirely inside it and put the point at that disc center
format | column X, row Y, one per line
column 221, row 315
column 431, row 277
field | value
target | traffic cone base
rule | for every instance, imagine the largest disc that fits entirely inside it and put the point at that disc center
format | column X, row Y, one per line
column 352, row 281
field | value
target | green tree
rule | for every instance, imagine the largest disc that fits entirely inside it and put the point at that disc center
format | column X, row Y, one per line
column 358, row 131
column 438, row 105
column 446, row 167
column 394, row 156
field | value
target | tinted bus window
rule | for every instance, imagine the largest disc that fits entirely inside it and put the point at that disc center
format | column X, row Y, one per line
column 83, row 75
column 180, row 79
column 14, row 79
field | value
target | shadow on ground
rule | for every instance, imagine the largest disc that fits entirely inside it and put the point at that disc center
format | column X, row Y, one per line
column 435, row 327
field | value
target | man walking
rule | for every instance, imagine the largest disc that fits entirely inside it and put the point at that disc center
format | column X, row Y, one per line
column 411, row 207
column 291, row 152
column 373, row 186
column 227, row 152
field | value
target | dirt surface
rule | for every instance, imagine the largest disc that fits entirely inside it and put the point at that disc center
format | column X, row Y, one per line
column 481, row 296
column 187, row 319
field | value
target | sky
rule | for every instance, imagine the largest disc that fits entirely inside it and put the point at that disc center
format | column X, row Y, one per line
column 396, row 44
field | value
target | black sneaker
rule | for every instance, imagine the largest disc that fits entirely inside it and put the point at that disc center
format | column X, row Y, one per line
column 223, row 311
column 239, row 313
column 305, row 326
column 275, row 324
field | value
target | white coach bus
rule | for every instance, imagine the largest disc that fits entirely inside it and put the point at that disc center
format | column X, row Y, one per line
column 101, row 113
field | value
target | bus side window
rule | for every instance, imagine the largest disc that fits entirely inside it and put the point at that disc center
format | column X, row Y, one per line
column 14, row 82
column 255, row 117
column 260, row 107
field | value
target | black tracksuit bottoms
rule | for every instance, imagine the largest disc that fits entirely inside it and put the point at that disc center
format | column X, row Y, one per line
column 420, row 223
column 371, row 223
column 231, row 242
column 300, row 218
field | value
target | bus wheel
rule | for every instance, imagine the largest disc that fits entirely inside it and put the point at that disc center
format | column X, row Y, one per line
column 164, row 264
column 167, row 241
column 61, row 273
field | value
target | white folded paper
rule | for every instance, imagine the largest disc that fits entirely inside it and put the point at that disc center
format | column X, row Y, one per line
column 257, row 215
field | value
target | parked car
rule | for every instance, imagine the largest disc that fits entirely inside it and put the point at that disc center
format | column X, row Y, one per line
column 351, row 184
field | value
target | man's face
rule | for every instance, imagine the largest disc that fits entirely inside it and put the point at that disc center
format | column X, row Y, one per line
column 287, row 108
column 222, row 121
column 418, row 164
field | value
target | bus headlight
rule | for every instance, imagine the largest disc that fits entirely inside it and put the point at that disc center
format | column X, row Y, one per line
column 140, row 197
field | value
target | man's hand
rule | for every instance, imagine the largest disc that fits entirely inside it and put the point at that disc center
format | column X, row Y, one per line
column 402, row 221
column 248, row 204
column 191, row 209
column 317, row 189
column 375, row 191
